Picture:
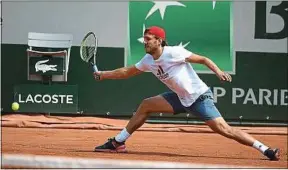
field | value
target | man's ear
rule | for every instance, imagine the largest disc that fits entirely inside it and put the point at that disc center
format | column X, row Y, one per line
column 160, row 41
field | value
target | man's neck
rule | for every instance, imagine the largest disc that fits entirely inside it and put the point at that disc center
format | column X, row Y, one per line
column 156, row 55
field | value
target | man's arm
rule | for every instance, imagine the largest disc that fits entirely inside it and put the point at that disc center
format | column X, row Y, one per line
column 120, row 73
column 194, row 58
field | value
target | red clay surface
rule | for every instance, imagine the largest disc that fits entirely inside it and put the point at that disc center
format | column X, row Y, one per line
column 209, row 148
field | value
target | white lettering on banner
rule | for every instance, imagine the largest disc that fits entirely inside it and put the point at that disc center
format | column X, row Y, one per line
column 20, row 99
column 250, row 97
column 69, row 99
column 54, row 99
column 264, row 96
column 236, row 95
column 29, row 99
column 62, row 98
column 284, row 97
column 276, row 97
column 46, row 98
column 218, row 92
column 37, row 96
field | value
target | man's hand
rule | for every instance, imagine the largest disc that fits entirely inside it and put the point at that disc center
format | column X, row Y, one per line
column 224, row 76
column 98, row 76
column 120, row 73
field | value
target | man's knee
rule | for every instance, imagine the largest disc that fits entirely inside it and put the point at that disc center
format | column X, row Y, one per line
column 226, row 130
column 146, row 106
column 222, row 128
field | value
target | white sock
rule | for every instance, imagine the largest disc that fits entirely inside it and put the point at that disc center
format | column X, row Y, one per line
column 122, row 136
column 260, row 146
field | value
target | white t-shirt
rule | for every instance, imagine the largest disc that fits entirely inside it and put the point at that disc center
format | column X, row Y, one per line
column 175, row 73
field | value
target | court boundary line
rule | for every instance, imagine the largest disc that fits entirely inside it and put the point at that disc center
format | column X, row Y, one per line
column 41, row 161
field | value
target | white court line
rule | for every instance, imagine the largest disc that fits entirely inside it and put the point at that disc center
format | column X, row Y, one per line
column 37, row 161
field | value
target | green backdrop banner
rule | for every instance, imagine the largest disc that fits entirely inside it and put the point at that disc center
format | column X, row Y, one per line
column 255, row 94
column 201, row 27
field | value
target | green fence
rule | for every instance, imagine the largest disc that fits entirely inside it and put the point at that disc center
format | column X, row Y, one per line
column 258, row 91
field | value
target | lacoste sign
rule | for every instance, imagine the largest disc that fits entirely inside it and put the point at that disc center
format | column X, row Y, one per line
column 46, row 98
column 56, row 98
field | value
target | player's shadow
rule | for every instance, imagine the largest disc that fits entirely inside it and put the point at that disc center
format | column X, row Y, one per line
column 168, row 154
column 184, row 155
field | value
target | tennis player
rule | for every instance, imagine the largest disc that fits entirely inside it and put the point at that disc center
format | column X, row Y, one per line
column 171, row 65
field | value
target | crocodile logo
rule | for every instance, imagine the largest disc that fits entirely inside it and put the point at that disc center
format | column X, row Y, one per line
column 40, row 66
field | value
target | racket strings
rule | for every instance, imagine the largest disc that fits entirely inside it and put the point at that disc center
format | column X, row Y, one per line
column 89, row 47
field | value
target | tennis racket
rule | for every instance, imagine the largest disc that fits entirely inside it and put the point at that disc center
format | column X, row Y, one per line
column 88, row 50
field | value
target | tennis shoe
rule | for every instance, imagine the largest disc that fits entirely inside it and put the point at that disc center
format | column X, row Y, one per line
column 111, row 146
column 272, row 154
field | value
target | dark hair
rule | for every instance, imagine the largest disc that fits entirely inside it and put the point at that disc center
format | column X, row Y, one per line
column 164, row 43
column 146, row 31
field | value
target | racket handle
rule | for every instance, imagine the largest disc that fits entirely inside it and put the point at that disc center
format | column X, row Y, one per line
column 95, row 69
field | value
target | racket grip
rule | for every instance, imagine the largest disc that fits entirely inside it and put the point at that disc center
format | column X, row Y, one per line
column 95, row 69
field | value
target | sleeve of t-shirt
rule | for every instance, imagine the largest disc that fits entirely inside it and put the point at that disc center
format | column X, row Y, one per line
column 143, row 64
column 180, row 53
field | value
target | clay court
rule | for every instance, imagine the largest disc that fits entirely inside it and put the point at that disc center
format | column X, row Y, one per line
column 77, row 137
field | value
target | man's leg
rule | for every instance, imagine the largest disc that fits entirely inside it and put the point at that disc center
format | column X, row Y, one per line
column 220, row 126
column 156, row 104
column 206, row 109
column 164, row 103
column 150, row 105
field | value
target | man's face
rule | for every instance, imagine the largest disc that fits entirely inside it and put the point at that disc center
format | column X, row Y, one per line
column 151, row 43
